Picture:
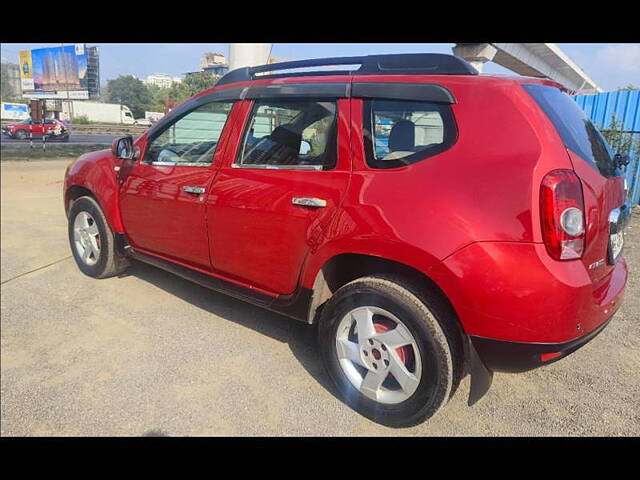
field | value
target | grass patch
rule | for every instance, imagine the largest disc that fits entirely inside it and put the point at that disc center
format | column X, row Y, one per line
column 81, row 120
column 22, row 152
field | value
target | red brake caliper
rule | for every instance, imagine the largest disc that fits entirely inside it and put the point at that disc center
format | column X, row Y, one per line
column 405, row 352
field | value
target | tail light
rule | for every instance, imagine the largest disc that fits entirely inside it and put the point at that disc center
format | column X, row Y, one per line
column 562, row 215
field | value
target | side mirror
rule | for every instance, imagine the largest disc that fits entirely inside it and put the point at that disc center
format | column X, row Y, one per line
column 122, row 148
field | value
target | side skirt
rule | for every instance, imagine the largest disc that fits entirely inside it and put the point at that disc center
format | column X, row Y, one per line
column 295, row 306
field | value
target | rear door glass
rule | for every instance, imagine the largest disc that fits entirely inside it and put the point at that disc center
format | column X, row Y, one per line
column 575, row 128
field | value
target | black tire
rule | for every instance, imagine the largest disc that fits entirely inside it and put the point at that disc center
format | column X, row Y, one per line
column 21, row 135
column 439, row 355
column 109, row 262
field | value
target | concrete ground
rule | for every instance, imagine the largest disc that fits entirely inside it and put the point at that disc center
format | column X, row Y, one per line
column 152, row 354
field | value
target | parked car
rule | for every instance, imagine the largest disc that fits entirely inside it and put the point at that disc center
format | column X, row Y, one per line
column 52, row 128
column 432, row 222
column 143, row 122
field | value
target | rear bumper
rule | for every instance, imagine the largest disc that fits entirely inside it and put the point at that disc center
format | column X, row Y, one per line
column 515, row 292
column 515, row 357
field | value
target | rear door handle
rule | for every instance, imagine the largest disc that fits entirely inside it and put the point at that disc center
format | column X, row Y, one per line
column 193, row 189
column 309, row 202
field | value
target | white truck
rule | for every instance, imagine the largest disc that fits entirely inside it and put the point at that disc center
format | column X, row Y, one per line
column 97, row 112
column 14, row 111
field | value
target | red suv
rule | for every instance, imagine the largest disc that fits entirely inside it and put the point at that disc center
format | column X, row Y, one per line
column 431, row 221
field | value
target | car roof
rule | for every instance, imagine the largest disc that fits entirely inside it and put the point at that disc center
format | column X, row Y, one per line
column 419, row 67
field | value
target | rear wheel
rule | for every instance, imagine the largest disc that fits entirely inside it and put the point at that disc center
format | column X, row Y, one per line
column 21, row 134
column 386, row 351
column 92, row 241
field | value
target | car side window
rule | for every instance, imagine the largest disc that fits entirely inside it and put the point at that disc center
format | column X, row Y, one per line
column 192, row 139
column 399, row 132
column 295, row 134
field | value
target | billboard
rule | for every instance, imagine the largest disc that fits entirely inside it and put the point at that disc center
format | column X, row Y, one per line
column 54, row 72
column 15, row 111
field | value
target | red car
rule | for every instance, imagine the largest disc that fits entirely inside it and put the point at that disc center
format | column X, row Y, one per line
column 54, row 129
column 432, row 222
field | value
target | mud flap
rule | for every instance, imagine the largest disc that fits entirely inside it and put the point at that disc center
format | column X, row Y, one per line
column 481, row 376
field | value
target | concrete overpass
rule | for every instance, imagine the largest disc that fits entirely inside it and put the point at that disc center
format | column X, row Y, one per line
column 531, row 60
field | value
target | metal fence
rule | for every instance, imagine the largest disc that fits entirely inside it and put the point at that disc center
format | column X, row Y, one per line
column 625, row 105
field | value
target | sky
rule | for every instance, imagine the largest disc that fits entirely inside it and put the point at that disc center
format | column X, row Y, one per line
column 610, row 65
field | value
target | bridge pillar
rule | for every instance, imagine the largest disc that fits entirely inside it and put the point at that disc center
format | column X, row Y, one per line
column 477, row 54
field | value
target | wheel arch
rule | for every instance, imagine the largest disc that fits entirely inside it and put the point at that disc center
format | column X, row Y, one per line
column 93, row 175
column 73, row 193
column 346, row 267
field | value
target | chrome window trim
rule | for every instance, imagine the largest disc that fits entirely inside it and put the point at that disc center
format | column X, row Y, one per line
column 179, row 164
column 278, row 167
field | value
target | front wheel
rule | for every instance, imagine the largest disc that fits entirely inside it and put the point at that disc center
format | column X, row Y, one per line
column 21, row 135
column 92, row 241
column 386, row 351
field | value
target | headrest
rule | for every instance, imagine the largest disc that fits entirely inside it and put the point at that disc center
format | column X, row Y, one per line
column 402, row 136
column 284, row 136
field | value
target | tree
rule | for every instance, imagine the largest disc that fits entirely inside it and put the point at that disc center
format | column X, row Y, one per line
column 129, row 91
column 620, row 141
column 629, row 87
column 197, row 82
column 179, row 92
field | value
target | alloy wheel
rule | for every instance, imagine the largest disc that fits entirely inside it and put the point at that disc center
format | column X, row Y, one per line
column 378, row 354
column 86, row 238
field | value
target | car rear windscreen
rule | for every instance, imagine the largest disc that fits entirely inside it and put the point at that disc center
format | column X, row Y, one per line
column 574, row 127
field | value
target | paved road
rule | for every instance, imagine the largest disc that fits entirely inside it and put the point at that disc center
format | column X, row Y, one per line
column 74, row 139
column 152, row 354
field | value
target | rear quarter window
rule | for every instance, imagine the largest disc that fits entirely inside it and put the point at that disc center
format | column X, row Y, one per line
column 575, row 128
column 401, row 132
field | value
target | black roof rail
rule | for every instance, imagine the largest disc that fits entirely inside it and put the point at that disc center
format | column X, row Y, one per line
column 407, row 63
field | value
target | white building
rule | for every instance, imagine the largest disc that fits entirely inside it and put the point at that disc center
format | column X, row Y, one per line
column 211, row 59
column 161, row 80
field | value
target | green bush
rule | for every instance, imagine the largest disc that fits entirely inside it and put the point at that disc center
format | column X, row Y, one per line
column 81, row 120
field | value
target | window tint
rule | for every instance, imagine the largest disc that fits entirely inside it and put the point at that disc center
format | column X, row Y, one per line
column 402, row 132
column 192, row 139
column 574, row 127
column 294, row 134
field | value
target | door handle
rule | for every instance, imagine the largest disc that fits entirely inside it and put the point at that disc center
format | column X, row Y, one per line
column 309, row 202
column 193, row 189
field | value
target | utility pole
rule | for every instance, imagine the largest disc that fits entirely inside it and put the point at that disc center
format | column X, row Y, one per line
column 66, row 80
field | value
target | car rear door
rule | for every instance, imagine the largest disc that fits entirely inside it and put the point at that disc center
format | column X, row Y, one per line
column 162, row 197
column 283, row 180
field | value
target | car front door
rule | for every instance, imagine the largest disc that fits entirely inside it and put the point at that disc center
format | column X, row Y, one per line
column 36, row 129
column 163, row 194
column 282, row 181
